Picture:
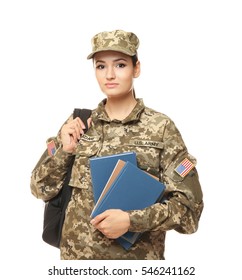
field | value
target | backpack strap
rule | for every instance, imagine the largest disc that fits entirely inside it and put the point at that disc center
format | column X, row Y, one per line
column 83, row 114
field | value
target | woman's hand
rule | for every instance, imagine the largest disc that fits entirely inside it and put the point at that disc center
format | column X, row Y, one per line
column 112, row 223
column 71, row 134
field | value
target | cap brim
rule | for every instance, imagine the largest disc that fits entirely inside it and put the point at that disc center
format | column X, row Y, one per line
column 111, row 49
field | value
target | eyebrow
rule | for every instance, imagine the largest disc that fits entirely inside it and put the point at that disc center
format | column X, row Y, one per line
column 115, row 60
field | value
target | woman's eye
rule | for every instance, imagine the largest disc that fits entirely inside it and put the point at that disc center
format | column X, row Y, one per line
column 100, row 66
column 121, row 65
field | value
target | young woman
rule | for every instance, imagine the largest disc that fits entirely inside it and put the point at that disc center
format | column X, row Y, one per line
column 121, row 123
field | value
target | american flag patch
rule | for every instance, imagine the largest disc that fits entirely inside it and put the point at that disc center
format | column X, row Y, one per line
column 51, row 148
column 184, row 167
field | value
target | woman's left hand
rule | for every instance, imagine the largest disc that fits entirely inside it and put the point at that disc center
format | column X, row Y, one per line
column 112, row 223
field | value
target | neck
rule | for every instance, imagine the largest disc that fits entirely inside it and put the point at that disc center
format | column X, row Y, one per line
column 120, row 108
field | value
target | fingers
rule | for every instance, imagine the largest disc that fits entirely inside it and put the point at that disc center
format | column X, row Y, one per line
column 98, row 219
column 81, row 126
column 89, row 122
column 100, row 224
column 71, row 133
column 75, row 128
column 112, row 223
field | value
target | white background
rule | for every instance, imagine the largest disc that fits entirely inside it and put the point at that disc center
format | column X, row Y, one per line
column 191, row 62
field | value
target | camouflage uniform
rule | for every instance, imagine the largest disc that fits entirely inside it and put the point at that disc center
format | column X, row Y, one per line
column 159, row 148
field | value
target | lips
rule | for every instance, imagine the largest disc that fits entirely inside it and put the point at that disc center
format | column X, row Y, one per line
column 111, row 85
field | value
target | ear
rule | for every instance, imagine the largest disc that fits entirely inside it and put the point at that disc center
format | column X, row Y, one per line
column 137, row 69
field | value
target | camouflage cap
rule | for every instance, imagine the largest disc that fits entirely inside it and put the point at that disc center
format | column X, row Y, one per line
column 117, row 40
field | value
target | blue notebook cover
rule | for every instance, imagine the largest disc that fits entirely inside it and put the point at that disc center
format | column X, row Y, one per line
column 124, row 243
column 102, row 167
column 132, row 189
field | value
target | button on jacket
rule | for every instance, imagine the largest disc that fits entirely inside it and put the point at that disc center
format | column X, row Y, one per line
column 159, row 148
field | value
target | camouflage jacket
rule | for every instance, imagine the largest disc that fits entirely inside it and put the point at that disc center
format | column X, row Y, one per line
column 159, row 148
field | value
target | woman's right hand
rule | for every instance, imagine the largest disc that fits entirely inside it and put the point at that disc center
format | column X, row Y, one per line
column 71, row 133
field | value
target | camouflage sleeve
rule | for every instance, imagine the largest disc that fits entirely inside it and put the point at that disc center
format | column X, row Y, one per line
column 49, row 173
column 183, row 199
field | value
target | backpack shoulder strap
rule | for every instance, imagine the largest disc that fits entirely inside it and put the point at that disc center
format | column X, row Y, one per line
column 83, row 114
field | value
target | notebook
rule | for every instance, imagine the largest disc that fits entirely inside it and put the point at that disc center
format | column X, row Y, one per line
column 128, row 188
column 102, row 167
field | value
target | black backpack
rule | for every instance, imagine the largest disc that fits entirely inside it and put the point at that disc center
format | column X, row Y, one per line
column 54, row 212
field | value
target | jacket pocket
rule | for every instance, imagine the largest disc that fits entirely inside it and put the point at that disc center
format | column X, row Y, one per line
column 148, row 153
column 88, row 147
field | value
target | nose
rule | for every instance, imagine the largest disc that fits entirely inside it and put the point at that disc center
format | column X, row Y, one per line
column 110, row 73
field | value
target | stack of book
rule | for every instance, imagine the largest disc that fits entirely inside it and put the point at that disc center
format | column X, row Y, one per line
column 118, row 183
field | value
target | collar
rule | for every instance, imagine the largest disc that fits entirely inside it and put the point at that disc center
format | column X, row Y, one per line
column 101, row 114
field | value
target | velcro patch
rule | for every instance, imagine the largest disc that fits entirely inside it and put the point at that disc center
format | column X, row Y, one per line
column 184, row 167
column 51, row 148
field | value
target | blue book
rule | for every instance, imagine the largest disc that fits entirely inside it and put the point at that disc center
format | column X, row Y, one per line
column 102, row 167
column 128, row 188
column 124, row 243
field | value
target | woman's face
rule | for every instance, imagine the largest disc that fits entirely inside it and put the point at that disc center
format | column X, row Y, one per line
column 115, row 73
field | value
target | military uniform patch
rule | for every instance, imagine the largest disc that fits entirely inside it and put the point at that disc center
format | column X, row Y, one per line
column 51, row 148
column 184, row 167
